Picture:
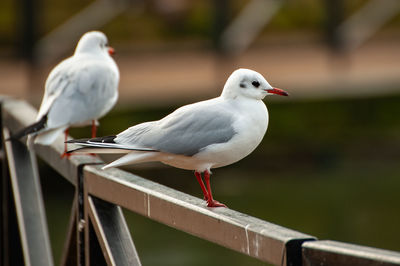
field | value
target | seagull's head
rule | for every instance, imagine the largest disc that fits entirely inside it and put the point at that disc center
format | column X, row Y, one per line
column 94, row 42
column 250, row 84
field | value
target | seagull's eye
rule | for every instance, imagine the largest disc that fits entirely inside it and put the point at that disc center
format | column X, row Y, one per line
column 255, row 84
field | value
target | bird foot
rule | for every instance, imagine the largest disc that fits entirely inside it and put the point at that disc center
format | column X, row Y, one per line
column 67, row 155
column 214, row 203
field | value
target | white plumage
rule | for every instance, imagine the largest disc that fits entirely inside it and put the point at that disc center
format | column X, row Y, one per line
column 78, row 91
column 199, row 136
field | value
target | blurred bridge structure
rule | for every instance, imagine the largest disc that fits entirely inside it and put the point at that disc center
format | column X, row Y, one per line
column 351, row 56
column 350, row 62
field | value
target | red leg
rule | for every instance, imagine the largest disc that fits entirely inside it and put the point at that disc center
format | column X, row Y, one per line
column 65, row 154
column 94, row 131
column 203, row 188
column 94, row 128
column 210, row 201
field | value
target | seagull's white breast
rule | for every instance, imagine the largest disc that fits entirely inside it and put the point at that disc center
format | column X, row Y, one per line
column 250, row 124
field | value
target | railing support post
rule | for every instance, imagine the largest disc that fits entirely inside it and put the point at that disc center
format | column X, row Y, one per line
column 98, row 233
column 81, row 222
column 10, row 242
column 29, row 204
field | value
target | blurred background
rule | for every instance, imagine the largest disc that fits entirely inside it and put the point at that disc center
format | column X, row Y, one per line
column 329, row 163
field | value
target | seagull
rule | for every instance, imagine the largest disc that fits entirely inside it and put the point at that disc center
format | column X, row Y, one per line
column 199, row 136
column 78, row 91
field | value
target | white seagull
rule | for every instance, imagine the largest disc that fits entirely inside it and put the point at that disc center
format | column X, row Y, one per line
column 78, row 91
column 199, row 136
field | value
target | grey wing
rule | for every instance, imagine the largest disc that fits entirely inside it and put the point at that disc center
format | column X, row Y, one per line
column 89, row 90
column 184, row 132
column 56, row 82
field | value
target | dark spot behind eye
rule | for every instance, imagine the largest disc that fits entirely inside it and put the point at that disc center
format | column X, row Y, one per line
column 255, row 83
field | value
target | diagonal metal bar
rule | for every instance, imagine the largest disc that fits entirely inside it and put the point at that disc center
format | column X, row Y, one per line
column 366, row 22
column 69, row 255
column 112, row 232
column 240, row 232
column 10, row 242
column 29, row 203
column 94, row 16
column 251, row 236
column 18, row 114
column 95, row 254
column 248, row 24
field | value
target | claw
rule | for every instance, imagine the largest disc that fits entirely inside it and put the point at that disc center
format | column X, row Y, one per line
column 207, row 195
column 215, row 203
column 65, row 155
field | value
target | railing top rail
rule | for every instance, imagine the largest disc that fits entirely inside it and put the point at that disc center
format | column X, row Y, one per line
column 249, row 235
column 328, row 252
column 252, row 236
column 240, row 232
column 18, row 114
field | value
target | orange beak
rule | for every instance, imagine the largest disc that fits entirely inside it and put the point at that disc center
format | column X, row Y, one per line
column 278, row 92
column 111, row 50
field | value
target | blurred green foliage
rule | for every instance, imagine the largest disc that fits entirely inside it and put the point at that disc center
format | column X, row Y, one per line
column 144, row 22
column 327, row 168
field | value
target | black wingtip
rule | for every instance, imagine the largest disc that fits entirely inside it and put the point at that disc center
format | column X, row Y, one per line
column 77, row 141
column 35, row 127
column 107, row 139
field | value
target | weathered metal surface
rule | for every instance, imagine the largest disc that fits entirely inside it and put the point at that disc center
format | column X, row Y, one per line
column 18, row 114
column 251, row 236
column 29, row 204
column 254, row 237
column 327, row 253
column 112, row 232
column 10, row 242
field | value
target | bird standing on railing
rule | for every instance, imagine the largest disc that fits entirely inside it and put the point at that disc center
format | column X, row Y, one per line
column 199, row 136
column 78, row 91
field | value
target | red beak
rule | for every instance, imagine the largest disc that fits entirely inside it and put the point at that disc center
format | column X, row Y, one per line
column 111, row 50
column 278, row 92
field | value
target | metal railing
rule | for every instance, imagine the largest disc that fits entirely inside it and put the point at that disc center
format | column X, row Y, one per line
column 98, row 233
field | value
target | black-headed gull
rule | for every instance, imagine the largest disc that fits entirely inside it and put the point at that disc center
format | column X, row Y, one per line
column 199, row 136
column 78, row 91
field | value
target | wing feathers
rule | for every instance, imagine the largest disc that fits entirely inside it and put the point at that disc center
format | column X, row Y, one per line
column 108, row 143
column 132, row 158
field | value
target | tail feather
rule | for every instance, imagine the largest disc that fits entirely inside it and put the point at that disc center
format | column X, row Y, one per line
column 132, row 158
column 49, row 136
column 108, row 143
column 34, row 128
column 98, row 150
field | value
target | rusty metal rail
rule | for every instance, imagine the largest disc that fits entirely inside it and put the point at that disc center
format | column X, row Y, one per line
column 98, row 233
